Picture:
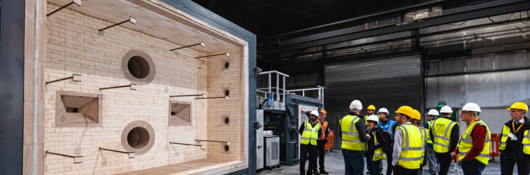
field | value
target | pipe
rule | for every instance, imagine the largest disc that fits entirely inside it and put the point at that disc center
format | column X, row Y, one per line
column 35, row 85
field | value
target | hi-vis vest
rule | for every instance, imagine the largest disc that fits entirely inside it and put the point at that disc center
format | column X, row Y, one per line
column 441, row 129
column 324, row 127
column 526, row 139
column 388, row 127
column 424, row 137
column 310, row 134
column 466, row 143
column 429, row 140
column 350, row 135
column 366, row 118
column 378, row 153
column 412, row 147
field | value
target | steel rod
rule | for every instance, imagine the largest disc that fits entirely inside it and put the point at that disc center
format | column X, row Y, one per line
column 131, row 19
column 212, row 98
column 48, row 82
column 202, row 44
column 187, row 95
column 227, row 54
column 64, row 155
column 227, row 142
column 112, row 150
column 114, row 87
column 202, row 147
column 60, row 8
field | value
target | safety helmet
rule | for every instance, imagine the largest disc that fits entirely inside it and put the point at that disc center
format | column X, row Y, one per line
column 323, row 111
column 433, row 112
column 416, row 115
column 446, row 109
column 519, row 105
column 356, row 105
column 372, row 107
column 407, row 110
column 372, row 118
column 473, row 107
column 383, row 110
column 315, row 113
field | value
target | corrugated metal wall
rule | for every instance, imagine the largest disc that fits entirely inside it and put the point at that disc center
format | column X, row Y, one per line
column 389, row 82
column 493, row 91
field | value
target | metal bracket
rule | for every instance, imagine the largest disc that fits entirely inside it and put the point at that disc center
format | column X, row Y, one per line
column 226, row 97
column 77, row 159
column 74, row 77
column 131, row 20
column 130, row 154
column 76, row 2
column 227, row 142
column 227, row 55
column 201, row 44
column 132, row 86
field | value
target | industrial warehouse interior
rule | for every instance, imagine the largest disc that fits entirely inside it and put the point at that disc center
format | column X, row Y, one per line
column 244, row 87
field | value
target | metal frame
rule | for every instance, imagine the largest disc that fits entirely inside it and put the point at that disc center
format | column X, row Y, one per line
column 277, row 87
column 458, row 14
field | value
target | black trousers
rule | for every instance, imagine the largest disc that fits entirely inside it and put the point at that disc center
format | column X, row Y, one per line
column 398, row 170
column 508, row 163
column 389, row 161
column 321, row 153
column 444, row 159
column 304, row 151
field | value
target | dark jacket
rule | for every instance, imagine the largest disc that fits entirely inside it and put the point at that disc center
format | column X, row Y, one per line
column 378, row 132
column 360, row 126
column 514, row 148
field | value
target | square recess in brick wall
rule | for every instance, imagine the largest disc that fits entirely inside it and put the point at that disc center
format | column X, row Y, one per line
column 76, row 109
column 179, row 113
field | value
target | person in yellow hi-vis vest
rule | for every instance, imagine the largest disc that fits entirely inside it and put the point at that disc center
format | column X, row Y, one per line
column 474, row 147
column 416, row 121
column 408, row 144
column 444, row 134
column 310, row 130
column 370, row 110
column 353, row 134
column 515, row 141
column 431, row 159
column 374, row 147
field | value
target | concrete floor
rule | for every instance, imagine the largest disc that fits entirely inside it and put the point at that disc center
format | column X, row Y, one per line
column 335, row 165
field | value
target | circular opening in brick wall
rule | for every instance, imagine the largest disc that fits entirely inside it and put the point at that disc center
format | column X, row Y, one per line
column 227, row 92
column 138, row 67
column 227, row 64
column 138, row 136
column 226, row 148
column 226, row 119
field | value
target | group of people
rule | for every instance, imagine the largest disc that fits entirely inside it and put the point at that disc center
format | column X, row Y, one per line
column 408, row 145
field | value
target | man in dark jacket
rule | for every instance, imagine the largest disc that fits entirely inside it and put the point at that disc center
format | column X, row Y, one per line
column 514, row 147
column 322, row 139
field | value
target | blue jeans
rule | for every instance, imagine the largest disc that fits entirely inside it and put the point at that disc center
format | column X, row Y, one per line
column 472, row 167
column 431, row 161
column 353, row 161
column 373, row 166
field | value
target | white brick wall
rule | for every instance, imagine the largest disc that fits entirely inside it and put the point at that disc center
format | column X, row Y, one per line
column 74, row 46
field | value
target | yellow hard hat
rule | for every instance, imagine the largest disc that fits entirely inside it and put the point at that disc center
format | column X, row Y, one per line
column 417, row 115
column 372, row 107
column 519, row 105
column 407, row 110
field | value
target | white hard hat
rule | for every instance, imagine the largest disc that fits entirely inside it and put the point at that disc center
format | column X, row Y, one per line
column 356, row 105
column 372, row 118
column 446, row 109
column 315, row 113
column 433, row 112
column 383, row 110
column 473, row 107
